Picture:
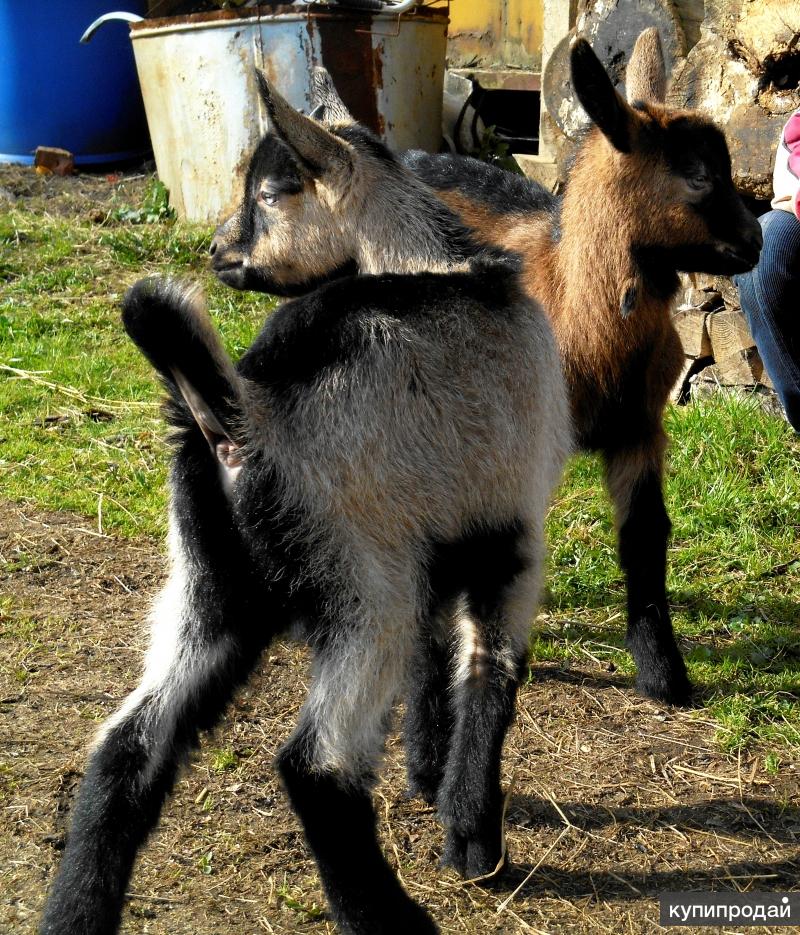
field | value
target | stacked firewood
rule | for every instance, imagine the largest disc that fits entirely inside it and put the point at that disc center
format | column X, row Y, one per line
column 743, row 72
column 720, row 351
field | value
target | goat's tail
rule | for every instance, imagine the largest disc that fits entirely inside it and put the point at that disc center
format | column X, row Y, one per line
column 169, row 323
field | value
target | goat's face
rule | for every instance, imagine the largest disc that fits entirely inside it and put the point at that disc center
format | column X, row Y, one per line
column 671, row 169
column 695, row 219
column 295, row 227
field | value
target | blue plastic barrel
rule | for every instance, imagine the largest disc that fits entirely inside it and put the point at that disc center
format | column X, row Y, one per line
column 56, row 92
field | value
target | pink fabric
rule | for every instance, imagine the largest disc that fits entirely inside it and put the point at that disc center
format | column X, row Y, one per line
column 786, row 178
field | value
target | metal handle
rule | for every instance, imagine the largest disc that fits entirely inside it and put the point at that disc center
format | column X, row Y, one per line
column 120, row 15
column 401, row 7
column 385, row 7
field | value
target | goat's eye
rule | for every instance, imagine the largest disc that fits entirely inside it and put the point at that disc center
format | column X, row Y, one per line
column 267, row 198
column 699, row 182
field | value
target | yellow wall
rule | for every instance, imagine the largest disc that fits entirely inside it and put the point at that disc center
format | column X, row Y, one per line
column 495, row 34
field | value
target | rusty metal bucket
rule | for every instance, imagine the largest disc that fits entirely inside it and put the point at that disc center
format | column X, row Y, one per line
column 203, row 110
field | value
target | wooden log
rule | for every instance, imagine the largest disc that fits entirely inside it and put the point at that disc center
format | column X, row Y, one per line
column 679, row 392
column 743, row 368
column 728, row 333
column 611, row 27
column 728, row 290
column 690, row 323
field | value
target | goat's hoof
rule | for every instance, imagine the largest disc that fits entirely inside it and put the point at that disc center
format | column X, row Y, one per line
column 673, row 687
column 424, row 786
column 478, row 858
column 404, row 920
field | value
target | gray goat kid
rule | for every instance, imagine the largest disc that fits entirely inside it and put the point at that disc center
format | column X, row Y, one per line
column 375, row 470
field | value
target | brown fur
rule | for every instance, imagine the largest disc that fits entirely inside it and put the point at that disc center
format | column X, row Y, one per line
column 579, row 280
column 637, row 205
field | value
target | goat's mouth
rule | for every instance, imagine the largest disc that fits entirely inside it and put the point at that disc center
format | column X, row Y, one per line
column 231, row 272
column 739, row 258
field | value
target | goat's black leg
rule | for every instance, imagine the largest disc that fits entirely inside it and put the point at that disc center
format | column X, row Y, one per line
column 193, row 667
column 634, row 482
column 328, row 768
column 493, row 626
column 429, row 715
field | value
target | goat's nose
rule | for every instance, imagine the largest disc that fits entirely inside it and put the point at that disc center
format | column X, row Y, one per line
column 213, row 248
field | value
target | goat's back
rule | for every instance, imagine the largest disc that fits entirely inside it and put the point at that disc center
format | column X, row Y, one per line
column 502, row 191
column 414, row 405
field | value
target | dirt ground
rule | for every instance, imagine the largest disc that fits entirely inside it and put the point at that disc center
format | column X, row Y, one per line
column 612, row 799
column 87, row 195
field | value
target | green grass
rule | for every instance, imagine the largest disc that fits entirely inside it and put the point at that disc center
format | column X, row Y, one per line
column 733, row 493
column 79, row 407
column 80, row 430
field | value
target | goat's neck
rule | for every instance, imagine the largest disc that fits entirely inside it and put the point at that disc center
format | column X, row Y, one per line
column 408, row 230
column 600, row 225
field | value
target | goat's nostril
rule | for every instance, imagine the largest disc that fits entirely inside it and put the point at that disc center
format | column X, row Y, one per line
column 213, row 248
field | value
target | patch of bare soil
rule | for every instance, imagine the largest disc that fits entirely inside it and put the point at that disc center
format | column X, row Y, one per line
column 87, row 195
column 612, row 800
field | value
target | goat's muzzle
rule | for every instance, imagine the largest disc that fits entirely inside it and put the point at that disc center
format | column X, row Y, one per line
column 743, row 255
column 229, row 266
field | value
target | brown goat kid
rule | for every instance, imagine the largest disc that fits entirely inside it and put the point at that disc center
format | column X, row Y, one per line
column 649, row 194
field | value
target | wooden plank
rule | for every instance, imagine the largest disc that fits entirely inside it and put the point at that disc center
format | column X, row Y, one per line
column 690, row 323
column 729, row 333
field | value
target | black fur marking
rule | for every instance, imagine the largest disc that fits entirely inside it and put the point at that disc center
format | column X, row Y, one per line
column 694, row 147
column 661, row 672
column 329, row 327
column 133, row 770
column 619, row 416
column 274, row 160
column 361, row 138
column 690, row 144
column 629, row 300
column 364, row 894
column 598, row 97
column 504, row 192
column 161, row 320
column 471, row 724
column 429, row 717
column 481, row 563
column 659, row 265
column 253, row 279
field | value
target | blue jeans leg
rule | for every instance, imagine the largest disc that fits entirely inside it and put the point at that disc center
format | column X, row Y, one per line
column 770, row 297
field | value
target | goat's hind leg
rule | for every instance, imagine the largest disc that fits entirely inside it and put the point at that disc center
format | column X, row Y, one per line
column 189, row 678
column 501, row 587
column 634, row 478
column 429, row 715
column 328, row 767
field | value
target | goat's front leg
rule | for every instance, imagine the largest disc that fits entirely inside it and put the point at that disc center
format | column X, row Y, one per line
column 194, row 664
column 634, row 478
column 493, row 628
column 328, row 768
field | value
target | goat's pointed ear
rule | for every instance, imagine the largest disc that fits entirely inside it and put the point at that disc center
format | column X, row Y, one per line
column 615, row 118
column 319, row 150
column 328, row 106
column 646, row 76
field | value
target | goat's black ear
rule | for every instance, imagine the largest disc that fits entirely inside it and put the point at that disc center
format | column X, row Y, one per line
column 319, row 150
column 599, row 98
column 328, row 106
